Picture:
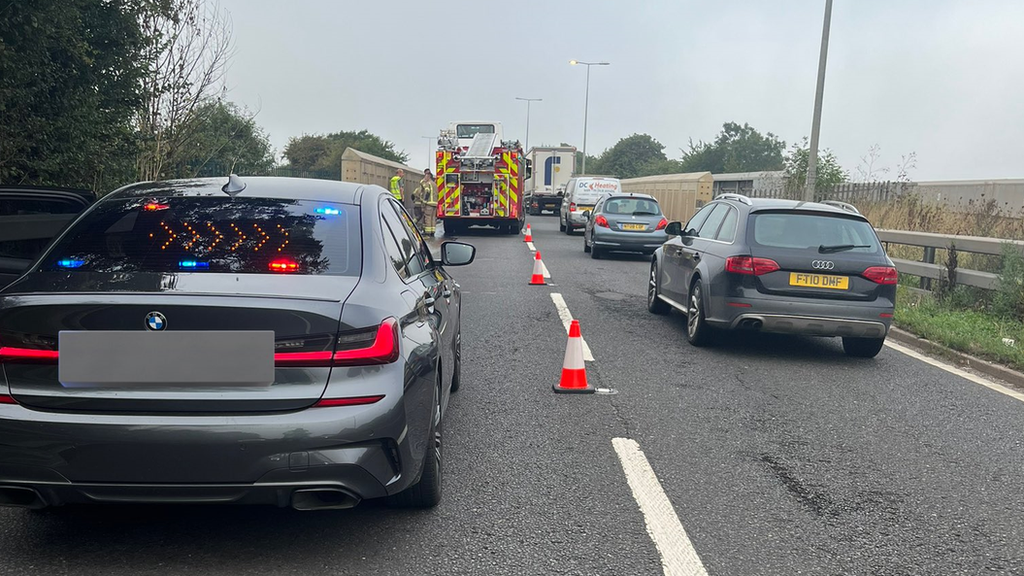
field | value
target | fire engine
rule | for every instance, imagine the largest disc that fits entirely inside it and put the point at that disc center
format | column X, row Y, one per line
column 480, row 178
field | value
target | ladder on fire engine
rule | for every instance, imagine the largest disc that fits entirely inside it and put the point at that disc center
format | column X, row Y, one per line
column 481, row 146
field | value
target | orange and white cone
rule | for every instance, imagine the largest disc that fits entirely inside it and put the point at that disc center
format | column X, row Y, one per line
column 529, row 235
column 574, row 372
column 538, row 272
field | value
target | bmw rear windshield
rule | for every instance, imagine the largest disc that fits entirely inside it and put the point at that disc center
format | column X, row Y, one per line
column 813, row 231
column 210, row 235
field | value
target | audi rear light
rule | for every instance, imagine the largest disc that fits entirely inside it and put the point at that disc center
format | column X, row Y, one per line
column 349, row 401
column 885, row 275
column 11, row 355
column 5, row 399
column 750, row 266
column 661, row 225
column 600, row 220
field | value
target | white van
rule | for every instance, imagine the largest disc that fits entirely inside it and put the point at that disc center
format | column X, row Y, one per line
column 581, row 194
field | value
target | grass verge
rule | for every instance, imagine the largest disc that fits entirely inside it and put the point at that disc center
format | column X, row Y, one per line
column 976, row 332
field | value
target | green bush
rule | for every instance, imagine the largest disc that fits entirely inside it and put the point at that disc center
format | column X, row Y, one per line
column 1008, row 300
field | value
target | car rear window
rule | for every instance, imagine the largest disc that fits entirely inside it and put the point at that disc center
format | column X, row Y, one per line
column 209, row 235
column 632, row 206
column 812, row 231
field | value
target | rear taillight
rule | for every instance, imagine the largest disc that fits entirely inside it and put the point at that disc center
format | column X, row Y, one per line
column 383, row 350
column 600, row 220
column 572, row 206
column 350, row 401
column 750, row 266
column 9, row 355
column 661, row 225
column 366, row 347
column 5, row 399
column 881, row 274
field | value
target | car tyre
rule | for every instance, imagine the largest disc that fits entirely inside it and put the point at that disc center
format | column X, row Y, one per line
column 698, row 333
column 561, row 224
column 596, row 253
column 862, row 347
column 426, row 493
column 586, row 247
column 655, row 305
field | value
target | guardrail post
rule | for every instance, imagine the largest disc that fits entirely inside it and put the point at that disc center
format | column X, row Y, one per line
column 929, row 257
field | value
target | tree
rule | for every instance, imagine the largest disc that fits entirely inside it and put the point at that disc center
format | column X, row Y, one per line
column 225, row 139
column 829, row 172
column 70, row 84
column 735, row 149
column 630, row 155
column 188, row 50
column 323, row 152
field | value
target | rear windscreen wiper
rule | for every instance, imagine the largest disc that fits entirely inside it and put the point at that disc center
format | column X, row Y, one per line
column 840, row 248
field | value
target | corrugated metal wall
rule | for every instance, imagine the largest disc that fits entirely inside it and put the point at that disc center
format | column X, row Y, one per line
column 680, row 195
column 366, row 168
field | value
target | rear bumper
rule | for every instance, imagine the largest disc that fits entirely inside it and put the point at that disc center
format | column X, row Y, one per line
column 810, row 326
column 360, row 451
column 631, row 241
column 799, row 316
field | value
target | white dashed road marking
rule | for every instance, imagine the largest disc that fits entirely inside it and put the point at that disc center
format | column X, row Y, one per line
column 531, row 246
column 566, row 316
column 678, row 557
column 954, row 370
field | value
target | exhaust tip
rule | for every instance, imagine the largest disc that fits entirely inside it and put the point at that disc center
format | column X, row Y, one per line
column 323, row 499
column 21, row 497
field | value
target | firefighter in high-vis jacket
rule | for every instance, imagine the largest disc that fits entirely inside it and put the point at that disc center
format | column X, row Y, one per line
column 426, row 203
column 396, row 184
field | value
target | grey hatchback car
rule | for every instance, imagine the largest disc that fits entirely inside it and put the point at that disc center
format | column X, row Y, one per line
column 279, row 341
column 778, row 266
column 625, row 223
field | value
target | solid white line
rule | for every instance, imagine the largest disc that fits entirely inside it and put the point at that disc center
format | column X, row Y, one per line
column 531, row 246
column 678, row 557
column 566, row 316
column 954, row 370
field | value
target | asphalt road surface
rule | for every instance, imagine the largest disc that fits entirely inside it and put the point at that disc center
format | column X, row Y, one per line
column 761, row 455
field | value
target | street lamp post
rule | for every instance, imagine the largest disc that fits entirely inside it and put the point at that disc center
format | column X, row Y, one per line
column 812, row 156
column 586, row 106
column 528, row 102
column 430, row 147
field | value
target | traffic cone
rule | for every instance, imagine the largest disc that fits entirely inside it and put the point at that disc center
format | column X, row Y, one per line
column 574, row 372
column 538, row 272
column 529, row 235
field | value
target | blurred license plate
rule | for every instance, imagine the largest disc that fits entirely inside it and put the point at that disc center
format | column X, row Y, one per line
column 134, row 358
column 634, row 226
column 819, row 281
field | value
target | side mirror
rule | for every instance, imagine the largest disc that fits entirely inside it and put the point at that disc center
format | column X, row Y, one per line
column 457, row 253
column 529, row 170
column 674, row 229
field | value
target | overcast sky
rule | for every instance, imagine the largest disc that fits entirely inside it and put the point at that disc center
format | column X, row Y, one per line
column 942, row 78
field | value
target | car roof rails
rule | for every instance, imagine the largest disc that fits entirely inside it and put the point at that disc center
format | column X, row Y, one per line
column 841, row 205
column 736, row 197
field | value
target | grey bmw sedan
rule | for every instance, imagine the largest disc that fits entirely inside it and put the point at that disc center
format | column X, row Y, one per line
column 261, row 341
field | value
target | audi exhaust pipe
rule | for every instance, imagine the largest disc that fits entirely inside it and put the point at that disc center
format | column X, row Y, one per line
column 323, row 499
column 750, row 324
column 21, row 497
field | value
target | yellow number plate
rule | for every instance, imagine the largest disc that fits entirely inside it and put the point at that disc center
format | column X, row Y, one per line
column 819, row 281
column 634, row 226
